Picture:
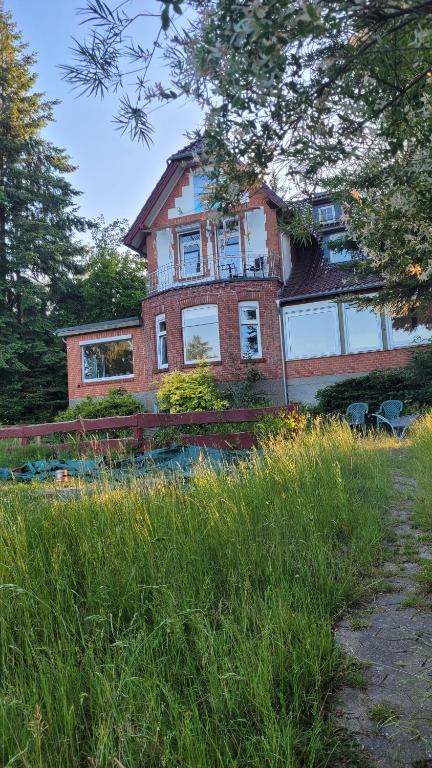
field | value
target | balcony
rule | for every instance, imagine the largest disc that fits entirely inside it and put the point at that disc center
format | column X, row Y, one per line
column 238, row 266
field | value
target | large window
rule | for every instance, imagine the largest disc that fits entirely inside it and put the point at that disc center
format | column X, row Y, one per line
column 312, row 330
column 190, row 253
column 161, row 342
column 398, row 337
column 229, row 248
column 362, row 329
column 201, row 333
column 335, row 256
column 250, row 335
column 107, row 359
column 200, row 184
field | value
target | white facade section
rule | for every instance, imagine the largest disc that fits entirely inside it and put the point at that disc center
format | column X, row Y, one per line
column 185, row 204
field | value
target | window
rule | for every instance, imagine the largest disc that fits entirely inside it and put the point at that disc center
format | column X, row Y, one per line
column 229, row 248
column 362, row 329
column 326, row 214
column 250, row 335
column 335, row 256
column 312, row 330
column 107, row 359
column 190, row 253
column 399, row 337
column 201, row 333
column 200, row 184
column 161, row 342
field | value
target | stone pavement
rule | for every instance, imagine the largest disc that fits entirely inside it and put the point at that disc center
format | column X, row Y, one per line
column 396, row 650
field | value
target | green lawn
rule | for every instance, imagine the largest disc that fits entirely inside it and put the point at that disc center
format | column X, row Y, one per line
column 191, row 627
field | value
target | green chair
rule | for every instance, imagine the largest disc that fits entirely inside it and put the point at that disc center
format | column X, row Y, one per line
column 357, row 413
column 389, row 409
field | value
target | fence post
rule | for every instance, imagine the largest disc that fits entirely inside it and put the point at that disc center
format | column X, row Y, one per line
column 137, row 429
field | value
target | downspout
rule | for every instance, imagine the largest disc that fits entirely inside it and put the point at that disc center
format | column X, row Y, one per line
column 282, row 348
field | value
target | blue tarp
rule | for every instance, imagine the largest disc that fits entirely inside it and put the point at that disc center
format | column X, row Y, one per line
column 179, row 459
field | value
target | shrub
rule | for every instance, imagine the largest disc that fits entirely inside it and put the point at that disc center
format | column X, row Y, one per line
column 194, row 391
column 281, row 424
column 117, row 402
column 372, row 388
column 244, row 394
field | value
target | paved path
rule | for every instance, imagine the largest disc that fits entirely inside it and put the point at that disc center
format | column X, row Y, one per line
column 396, row 648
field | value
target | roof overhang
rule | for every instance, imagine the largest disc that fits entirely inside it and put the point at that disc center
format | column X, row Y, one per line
column 104, row 325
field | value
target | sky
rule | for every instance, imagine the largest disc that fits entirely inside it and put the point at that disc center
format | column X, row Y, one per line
column 115, row 175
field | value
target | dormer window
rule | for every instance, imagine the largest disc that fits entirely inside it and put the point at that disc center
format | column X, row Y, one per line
column 335, row 256
column 327, row 214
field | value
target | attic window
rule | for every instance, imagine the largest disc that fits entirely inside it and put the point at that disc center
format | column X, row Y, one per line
column 335, row 256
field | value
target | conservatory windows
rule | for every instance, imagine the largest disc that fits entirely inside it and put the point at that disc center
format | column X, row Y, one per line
column 201, row 333
column 363, row 332
column 161, row 342
column 250, row 333
column 103, row 359
column 312, row 330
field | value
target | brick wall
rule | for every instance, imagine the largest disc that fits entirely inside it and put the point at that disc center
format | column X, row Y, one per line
column 362, row 362
column 77, row 389
column 227, row 296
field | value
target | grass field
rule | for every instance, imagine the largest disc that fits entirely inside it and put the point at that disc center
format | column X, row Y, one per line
column 421, row 464
column 192, row 627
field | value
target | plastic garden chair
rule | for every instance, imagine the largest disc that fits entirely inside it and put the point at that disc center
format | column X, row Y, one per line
column 357, row 413
column 389, row 410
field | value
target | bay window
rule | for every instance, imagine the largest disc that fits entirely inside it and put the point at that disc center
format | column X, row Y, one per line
column 190, row 253
column 201, row 333
column 103, row 359
column 250, row 334
column 312, row 330
column 161, row 342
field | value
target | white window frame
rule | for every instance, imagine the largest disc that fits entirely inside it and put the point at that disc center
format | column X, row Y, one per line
column 105, row 340
column 160, row 335
column 390, row 336
column 314, row 308
column 250, row 305
column 197, row 310
column 326, row 207
column 345, row 307
column 189, row 231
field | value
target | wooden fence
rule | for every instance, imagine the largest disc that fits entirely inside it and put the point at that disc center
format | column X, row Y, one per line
column 139, row 423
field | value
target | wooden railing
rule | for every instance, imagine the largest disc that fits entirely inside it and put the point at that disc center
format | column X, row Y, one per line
column 140, row 422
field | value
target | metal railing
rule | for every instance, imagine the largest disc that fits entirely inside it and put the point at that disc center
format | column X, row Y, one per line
column 197, row 269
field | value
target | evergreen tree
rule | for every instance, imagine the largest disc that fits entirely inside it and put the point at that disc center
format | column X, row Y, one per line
column 38, row 256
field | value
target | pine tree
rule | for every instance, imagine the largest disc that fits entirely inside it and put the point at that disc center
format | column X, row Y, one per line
column 38, row 256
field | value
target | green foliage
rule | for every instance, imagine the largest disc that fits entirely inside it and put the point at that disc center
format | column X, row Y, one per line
column 38, row 251
column 194, row 391
column 411, row 384
column 117, row 402
column 187, row 626
column 284, row 425
column 245, row 392
column 372, row 388
column 114, row 284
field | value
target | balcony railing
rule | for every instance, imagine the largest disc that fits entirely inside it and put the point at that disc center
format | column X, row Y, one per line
column 193, row 270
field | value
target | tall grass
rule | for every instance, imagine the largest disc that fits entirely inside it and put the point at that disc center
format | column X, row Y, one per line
column 191, row 626
column 421, row 464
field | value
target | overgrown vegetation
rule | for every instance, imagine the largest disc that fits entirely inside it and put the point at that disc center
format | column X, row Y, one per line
column 412, row 385
column 195, row 390
column 117, row 402
column 191, row 626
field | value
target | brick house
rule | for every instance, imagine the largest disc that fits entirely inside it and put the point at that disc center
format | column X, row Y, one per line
column 236, row 292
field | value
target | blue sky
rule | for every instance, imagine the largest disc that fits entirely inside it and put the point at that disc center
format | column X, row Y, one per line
column 114, row 174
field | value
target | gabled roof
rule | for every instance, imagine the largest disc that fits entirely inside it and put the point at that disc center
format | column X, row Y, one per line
column 312, row 275
column 194, row 148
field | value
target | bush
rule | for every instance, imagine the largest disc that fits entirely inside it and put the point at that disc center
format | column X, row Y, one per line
column 118, row 402
column 281, row 424
column 243, row 393
column 194, row 391
column 372, row 388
